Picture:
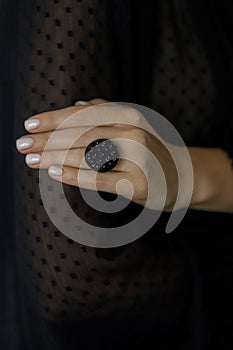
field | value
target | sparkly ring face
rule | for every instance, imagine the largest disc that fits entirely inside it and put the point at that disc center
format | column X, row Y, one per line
column 101, row 155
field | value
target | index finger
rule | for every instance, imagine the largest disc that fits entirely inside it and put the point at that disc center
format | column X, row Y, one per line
column 95, row 115
column 49, row 121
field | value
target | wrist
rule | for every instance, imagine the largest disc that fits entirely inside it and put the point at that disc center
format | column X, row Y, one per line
column 213, row 185
column 202, row 188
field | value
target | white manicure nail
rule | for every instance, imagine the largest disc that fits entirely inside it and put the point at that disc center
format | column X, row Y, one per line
column 31, row 124
column 83, row 103
column 55, row 170
column 24, row 143
column 33, row 158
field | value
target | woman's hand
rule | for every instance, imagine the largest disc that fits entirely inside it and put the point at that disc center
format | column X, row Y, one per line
column 57, row 141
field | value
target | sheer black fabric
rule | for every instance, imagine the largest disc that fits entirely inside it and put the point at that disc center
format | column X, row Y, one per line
column 70, row 50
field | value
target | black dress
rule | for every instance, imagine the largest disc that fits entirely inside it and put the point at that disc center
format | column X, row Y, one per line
column 170, row 289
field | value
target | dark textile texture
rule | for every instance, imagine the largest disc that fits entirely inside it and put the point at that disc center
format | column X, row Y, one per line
column 189, row 297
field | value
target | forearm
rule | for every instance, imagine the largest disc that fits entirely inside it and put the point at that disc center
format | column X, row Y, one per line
column 213, row 180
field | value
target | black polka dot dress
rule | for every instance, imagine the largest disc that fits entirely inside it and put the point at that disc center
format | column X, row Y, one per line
column 58, row 62
column 184, row 87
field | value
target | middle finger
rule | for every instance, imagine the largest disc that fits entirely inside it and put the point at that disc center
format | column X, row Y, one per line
column 68, row 138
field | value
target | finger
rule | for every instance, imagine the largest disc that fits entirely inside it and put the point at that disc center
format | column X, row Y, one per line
column 80, row 115
column 87, row 179
column 50, row 120
column 69, row 138
column 82, row 103
column 73, row 158
column 97, row 101
column 94, row 101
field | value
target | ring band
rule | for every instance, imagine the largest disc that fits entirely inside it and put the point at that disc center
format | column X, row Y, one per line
column 101, row 155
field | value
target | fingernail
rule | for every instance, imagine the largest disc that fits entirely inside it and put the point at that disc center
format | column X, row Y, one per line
column 24, row 143
column 31, row 124
column 33, row 158
column 55, row 170
column 83, row 103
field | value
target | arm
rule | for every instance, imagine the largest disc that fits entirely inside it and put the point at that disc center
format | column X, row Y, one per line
column 213, row 180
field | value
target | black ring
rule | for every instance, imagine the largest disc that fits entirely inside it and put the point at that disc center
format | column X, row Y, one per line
column 101, row 155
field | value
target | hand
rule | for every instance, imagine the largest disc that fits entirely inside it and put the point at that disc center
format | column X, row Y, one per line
column 57, row 141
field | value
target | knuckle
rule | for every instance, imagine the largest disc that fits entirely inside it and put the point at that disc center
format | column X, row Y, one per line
column 73, row 157
column 46, row 120
column 98, row 132
column 101, row 179
column 103, row 182
column 132, row 114
column 137, row 116
column 139, row 135
column 141, row 186
column 45, row 140
column 70, row 177
column 45, row 159
column 95, row 133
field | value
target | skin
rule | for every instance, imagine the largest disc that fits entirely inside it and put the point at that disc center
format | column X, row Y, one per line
column 212, row 170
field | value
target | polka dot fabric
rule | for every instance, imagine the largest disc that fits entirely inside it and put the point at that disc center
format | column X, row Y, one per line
column 58, row 63
column 183, row 89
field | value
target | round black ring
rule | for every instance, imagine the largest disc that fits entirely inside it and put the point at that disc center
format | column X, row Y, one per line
column 101, row 155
